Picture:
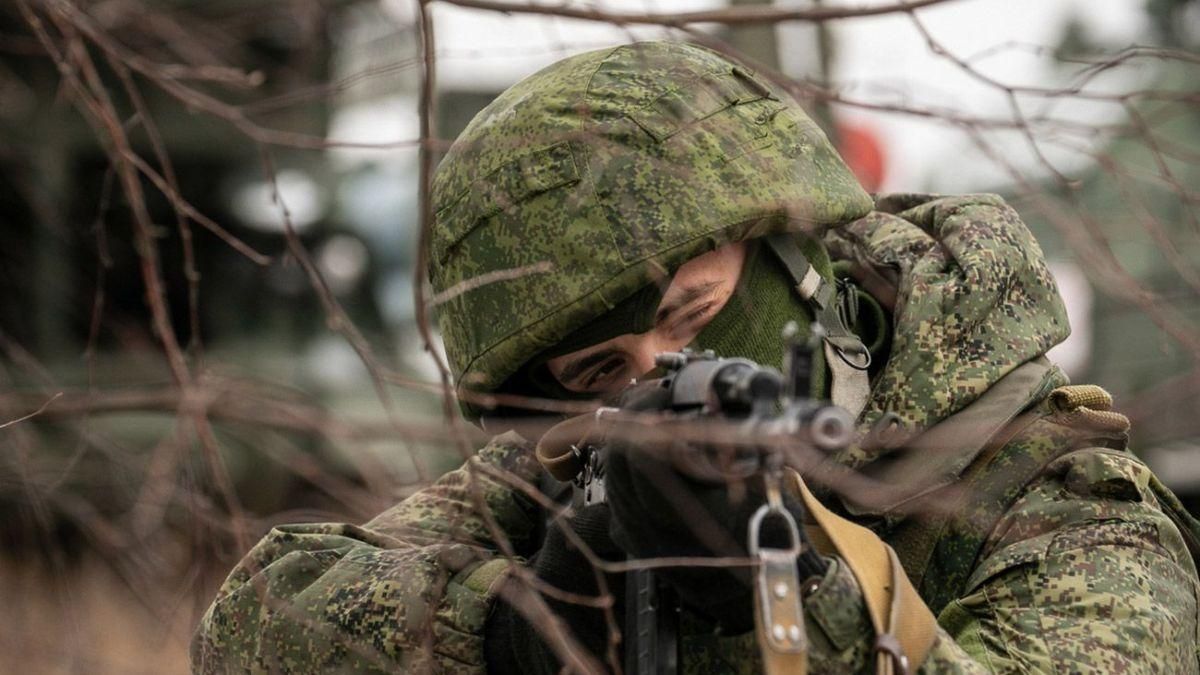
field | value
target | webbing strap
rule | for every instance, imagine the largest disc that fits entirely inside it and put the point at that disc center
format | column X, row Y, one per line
column 845, row 354
column 851, row 387
column 1091, row 405
column 1071, row 396
column 904, row 627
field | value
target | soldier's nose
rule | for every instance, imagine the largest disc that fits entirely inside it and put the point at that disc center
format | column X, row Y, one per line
column 643, row 357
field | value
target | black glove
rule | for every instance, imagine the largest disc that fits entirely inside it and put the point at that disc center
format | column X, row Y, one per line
column 657, row 511
column 513, row 645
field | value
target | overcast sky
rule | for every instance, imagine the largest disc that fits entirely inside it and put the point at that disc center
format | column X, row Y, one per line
column 886, row 58
column 879, row 59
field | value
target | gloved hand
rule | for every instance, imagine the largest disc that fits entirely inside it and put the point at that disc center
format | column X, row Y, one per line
column 657, row 511
column 512, row 645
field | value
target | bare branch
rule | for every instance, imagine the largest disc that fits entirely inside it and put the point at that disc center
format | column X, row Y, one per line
column 33, row 414
column 752, row 14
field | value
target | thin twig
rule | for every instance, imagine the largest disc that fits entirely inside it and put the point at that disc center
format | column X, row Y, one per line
column 33, row 414
column 747, row 14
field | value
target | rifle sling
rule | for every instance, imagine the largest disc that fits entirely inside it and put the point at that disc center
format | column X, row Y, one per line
column 904, row 627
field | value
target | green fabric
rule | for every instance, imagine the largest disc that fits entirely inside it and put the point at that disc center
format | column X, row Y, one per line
column 1074, row 580
column 403, row 593
column 763, row 300
column 1069, row 582
column 751, row 323
column 873, row 326
column 974, row 300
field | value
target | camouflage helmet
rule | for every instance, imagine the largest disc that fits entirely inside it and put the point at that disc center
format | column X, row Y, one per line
column 606, row 171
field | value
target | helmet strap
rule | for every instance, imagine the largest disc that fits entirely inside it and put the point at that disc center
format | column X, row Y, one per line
column 833, row 306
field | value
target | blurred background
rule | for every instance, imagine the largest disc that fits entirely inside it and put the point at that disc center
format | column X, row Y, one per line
column 210, row 215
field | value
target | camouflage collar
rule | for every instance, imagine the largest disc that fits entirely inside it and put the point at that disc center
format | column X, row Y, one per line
column 936, row 458
column 971, row 299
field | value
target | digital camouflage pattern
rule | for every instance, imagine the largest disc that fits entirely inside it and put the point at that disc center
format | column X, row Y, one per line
column 975, row 300
column 1050, row 550
column 615, row 166
column 407, row 592
column 1081, row 570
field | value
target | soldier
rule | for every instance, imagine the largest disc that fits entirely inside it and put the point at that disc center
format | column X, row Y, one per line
column 685, row 201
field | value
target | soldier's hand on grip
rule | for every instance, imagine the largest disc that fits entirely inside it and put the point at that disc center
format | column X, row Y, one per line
column 659, row 512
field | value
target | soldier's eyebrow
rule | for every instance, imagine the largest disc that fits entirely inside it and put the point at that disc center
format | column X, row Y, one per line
column 577, row 367
column 687, row 297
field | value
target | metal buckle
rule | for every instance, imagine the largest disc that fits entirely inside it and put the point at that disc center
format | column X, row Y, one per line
column 844, row 355
column 780, row 606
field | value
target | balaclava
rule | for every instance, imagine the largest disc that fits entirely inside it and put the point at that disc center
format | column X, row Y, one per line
column 634, row 315
column 751, row 323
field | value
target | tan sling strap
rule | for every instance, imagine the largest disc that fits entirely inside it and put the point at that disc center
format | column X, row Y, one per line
column 904, row 627
column 778, row 612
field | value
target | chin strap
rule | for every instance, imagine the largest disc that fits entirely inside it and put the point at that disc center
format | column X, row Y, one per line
column 905, row 629
column 847, row 357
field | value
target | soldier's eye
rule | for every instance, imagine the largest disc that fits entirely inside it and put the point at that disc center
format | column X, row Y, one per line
column 605, row 371
column 688, row 322
column 699, row 313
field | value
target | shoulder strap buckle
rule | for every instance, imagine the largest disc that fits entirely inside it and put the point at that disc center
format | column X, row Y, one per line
column 845, row 354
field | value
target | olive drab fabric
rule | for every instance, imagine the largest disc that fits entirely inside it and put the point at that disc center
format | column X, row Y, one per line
column 978, row 301
column 1041, row 544
column 614, row 167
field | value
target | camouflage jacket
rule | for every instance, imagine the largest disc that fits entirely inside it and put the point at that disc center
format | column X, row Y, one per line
column 1037, row 540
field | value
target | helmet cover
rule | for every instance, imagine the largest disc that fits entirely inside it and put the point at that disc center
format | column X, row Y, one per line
column 605, row 172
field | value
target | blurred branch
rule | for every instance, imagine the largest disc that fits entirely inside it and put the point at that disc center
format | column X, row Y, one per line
column 490, row 278
column 41, row 409
column 730, row 16
column 75, row 64
column 224, row 400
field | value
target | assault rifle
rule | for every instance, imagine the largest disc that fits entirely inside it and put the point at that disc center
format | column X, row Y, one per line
column 779, row 419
